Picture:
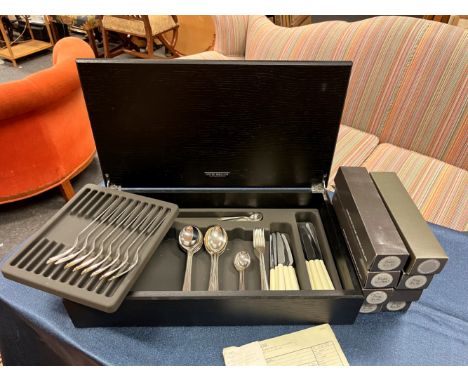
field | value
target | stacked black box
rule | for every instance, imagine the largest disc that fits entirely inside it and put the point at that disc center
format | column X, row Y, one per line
column 392, row 248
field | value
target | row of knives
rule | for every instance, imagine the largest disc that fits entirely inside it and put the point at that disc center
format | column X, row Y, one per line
column 282, row 272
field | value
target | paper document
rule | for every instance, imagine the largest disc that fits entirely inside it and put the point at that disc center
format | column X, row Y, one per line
column 315, row 346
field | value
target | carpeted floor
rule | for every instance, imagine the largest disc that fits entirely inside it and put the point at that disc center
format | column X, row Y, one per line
column 20, row 219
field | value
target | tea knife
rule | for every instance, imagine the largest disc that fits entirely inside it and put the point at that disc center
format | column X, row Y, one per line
column 291, row 279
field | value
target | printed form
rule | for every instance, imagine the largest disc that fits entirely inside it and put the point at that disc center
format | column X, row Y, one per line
column 315, row 346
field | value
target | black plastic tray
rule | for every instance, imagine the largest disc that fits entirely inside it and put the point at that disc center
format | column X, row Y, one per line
column 30, row 266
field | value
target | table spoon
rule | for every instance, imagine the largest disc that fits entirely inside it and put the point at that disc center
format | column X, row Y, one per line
column 191, row 241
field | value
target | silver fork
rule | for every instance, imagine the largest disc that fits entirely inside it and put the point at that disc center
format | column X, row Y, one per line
column 259, row 249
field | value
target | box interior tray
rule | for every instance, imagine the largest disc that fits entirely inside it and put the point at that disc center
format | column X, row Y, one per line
column 156, row 297
column 165, row 271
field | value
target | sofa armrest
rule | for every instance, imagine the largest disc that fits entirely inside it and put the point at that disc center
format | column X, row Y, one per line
column 231, row 34
column 47, row 86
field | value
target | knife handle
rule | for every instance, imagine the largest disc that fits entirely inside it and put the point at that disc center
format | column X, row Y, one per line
column 288, row 283
column 294, row 285
column 316, row 275
column 321, row 275
column 328, row 283
column 309, row 272
column 281, row 280
column 272, row 279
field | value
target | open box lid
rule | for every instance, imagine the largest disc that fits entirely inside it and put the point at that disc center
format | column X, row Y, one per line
column 191, row 125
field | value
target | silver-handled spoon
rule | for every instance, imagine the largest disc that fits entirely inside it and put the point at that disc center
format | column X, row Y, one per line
column 242, row 262
column 215, row 240
column 251, row 217
column 191, row 241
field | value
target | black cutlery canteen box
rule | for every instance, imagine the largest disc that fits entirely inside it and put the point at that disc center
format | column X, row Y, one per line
column 224, row 138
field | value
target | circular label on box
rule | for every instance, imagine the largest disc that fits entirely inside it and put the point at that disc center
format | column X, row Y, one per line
column 368, row 308
column 381, row 280
column 389, row 263
column 429, row 266
column 376, row 297
column 393, row 306
column 415, row 282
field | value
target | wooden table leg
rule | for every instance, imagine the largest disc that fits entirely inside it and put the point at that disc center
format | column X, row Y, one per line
column 67, row 190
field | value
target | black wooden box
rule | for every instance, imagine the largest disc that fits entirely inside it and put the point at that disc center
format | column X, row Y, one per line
column 224, row 138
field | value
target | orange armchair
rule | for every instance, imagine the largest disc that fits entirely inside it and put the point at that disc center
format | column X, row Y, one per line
column 45, row 134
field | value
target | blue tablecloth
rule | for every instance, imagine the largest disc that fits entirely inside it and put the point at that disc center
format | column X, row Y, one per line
column 35, row 329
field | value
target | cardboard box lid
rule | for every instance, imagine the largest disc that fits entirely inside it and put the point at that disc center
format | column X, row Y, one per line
column 185, row 124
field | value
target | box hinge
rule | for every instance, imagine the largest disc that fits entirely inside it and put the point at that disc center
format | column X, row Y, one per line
column 111, row 185
column 319, row 188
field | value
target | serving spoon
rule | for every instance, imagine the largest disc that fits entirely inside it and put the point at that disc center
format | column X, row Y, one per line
column 191, row 241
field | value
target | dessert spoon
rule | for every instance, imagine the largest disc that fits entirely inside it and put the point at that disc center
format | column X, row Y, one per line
column 215, row 240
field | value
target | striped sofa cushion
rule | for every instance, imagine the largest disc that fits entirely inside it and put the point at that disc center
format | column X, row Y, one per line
column 231, row 32
column 438, row 189
column 409, row 82
column 352, row 149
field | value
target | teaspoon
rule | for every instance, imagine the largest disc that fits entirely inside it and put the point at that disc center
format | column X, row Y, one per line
column 191, row 241
column 242, row 262
column 215, row 240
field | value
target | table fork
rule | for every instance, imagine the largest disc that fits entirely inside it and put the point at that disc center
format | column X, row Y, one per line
column 259, row 249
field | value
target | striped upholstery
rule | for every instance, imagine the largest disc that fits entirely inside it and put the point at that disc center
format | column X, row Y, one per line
column 352, row 149
column 438, row 189
column 231, row 32
column 409, row 82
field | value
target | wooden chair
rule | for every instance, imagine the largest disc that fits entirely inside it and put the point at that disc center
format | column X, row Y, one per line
column 142, row 26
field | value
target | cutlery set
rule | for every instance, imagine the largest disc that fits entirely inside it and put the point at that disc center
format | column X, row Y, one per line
column 282, row 273
column 215, row 241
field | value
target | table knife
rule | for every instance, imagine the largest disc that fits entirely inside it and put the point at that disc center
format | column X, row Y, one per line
column 326, row 280
column 291, row 278
column 273, row 262
column 311, row 256
column 280, row 261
